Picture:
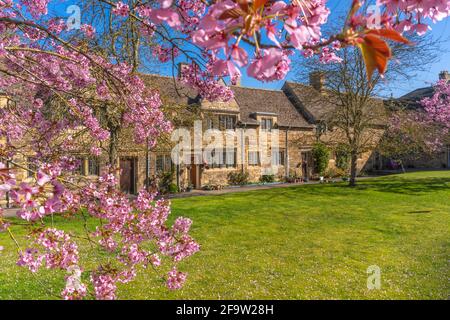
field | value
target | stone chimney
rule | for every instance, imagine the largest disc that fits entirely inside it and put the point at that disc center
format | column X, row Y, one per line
column 317, row 80
column 444, row 75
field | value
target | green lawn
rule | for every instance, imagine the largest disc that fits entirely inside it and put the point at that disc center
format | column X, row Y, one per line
column 307, row 242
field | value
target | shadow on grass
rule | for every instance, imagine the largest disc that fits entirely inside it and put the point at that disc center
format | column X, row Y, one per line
column 396, row 184
column 406, row 186
column 392, row 184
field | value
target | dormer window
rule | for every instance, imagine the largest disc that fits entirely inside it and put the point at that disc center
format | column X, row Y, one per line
column 227, row 122
column 267, row 124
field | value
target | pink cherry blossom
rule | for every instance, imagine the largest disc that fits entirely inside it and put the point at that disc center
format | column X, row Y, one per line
column 176, row 279
column 273, row 64
column 88, row 30
column 121, row 9
column 37, row 8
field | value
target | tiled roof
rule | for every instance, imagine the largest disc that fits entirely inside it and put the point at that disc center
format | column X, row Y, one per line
column 314, row 105
column 252, row 101
column 171, row 91
column 321, row 106
column 412, row 100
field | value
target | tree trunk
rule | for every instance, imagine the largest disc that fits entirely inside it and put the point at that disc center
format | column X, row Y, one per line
column 113, row 146
column 353, row 168
column 113, row 154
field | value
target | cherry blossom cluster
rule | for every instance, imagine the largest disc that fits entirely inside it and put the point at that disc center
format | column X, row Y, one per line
column 75, row 289
column 36, row 8
column 165, row 54
column 55, row 248
column 56, row 92
column 437, row 107
column 43, row 195
column 128, row 225
column 127, row 228
column 208, row 87
column 412, row 15
column 121, row 9
column 425, row 129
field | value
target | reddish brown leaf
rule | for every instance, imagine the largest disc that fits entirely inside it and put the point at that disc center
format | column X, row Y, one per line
column 257, row 4
column 389, row 34
column 376, row 54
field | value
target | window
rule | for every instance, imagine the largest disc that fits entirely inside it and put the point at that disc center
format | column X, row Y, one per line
column 93, row 167
column 253, row 158
column 225, row 159
column 163, row 163
column 80, row 168
column 267, row 124
column 227, row 122
column 230, row 158
column 210, row 124
column 278, row 157
column 32, row 167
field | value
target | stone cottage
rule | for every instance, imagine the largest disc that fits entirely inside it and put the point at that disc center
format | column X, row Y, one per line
column 292, row 116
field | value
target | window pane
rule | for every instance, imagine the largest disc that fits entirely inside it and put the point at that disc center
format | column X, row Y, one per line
column 93, row 167
column 230, row 157
column 168, row 163
column 227, row 122
column 159, row 163
column 253, row 158
column 80, row 169
column 266, row 124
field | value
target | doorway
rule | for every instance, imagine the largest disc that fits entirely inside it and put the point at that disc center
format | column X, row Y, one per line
column 194, row 174
column 307, row 164
column 128, row 175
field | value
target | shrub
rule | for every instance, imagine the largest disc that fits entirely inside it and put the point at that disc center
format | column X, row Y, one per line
column 238, row 178
column 334, row 173
column 165, row 180
column 330, row 173
column 267, row 178
column 321, row 156
column 173, row 188
column 211, row 187
column 342, row 157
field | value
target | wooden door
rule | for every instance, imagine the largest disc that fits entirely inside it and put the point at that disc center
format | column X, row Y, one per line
column 307, row 164
column 194, row 175
column 128, row 175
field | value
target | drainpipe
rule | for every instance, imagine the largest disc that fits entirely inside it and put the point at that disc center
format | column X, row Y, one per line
column 243, row 148
column 286, row 155
column 178, row 177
